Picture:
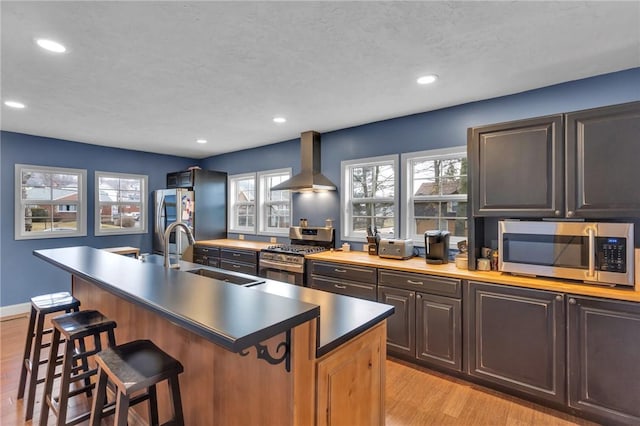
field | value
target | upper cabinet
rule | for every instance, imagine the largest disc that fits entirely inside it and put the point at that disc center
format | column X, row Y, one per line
column 603, row 162
column 518, row 168
column 521, row 168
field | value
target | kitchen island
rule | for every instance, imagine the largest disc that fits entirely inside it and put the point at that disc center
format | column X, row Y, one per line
column 252, row 355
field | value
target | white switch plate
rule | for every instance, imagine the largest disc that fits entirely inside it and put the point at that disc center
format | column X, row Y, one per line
column 365, row 247
column 273, row 240
column 241, row 236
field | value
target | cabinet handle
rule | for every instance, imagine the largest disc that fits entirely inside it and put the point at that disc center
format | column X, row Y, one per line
column 570, row 213
column 559, row 298
column 557, row 212
column 415, row 282
column 237, row 266
column 236, row 254
column 418, row 296
column 572, row 301
column 339, row 270
column 340, row 286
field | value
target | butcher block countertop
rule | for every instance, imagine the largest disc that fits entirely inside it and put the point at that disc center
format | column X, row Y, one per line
column 418, row 265
column 235, row 244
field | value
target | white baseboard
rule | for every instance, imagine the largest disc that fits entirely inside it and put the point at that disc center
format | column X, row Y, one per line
column 10, row 311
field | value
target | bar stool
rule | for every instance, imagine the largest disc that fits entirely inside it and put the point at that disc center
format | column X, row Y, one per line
column 41, row 306
column 132, row 367
column 75, row 327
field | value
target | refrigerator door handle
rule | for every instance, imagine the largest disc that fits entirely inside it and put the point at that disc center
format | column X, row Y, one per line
column 159, row 220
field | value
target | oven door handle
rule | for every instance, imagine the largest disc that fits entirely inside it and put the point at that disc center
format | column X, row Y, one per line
column 290, row 267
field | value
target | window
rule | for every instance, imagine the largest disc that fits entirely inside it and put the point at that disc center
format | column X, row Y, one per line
column 370, row 196
column 436, row 193
column 242, row 203
column 121, row 203
column 275, row 206
column 50, row 202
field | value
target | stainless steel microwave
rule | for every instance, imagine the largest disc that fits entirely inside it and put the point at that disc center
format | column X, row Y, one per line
column 593, row 252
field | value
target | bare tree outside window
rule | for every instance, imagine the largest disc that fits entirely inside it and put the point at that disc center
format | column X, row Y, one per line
column 438, row 194
column 371, row 196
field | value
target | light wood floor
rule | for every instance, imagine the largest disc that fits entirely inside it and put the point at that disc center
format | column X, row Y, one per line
column 414, row 396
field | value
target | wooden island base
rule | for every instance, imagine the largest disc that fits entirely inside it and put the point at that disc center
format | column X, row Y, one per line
column 345, row 386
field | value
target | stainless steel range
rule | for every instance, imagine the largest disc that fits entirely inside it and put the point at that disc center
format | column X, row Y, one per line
column 285, row 262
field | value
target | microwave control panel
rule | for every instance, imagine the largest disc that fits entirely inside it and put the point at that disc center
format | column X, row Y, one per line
column 611, row 254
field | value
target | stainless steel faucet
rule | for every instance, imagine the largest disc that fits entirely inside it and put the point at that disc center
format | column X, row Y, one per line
column 167, row 234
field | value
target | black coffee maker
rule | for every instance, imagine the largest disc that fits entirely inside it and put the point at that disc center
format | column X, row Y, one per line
column 436, row 246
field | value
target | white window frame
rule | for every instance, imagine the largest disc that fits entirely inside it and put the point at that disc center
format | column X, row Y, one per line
column 19, row 204
column 408, row 218
column 346, row 199
column 143, row 204
column 264, row 203
column 233, row 226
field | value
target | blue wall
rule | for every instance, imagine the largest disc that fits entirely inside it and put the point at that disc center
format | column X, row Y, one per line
column 23, row 276
column 436, row 129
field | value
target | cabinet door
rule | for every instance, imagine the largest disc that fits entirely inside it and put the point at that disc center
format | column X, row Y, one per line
column 438, row 330
column 518, row 168
column 604, row 358
column 603, row 162
column 517, row 338
column 350, row 382
column 400, row 325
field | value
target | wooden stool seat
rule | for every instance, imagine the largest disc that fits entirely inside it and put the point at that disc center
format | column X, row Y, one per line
column 40, row 307
column 132, row 367
column 75, row 327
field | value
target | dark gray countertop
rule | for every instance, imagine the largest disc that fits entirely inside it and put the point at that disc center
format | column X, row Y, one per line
column 341, row 317
column 230, row 315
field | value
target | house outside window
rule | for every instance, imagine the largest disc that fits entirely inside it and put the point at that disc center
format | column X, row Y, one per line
column 242, row 203
column 436, row 193
column 370, row 196
column 275, row 206
column 50, row 202
column 121, row 203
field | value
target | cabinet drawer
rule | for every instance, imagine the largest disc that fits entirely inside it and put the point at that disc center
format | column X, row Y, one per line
column 360, row 290
column 451, row 287
column 352, row 273
column 239, row 256
column 208, row 261
column 245, row 268
column 206, row 251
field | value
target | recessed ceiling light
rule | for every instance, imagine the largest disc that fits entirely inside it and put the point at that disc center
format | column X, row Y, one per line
column 279, row 120
column 427, row 79
column 50, row 45
column 201, row 140
column 14, row 104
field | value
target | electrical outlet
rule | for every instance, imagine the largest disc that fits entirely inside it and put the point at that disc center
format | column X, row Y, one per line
column 273, row 240
column 365, row 247
column 241, row 236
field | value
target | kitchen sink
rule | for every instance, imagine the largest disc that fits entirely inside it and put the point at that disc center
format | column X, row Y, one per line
column 227, row 277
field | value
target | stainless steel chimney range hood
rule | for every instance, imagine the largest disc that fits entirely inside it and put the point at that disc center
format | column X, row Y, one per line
column 309, row 178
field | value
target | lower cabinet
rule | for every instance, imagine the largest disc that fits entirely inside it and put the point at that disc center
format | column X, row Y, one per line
column 350, row 382
column 245, row 261
column 604, row 358
column 516, row 338
column 349, row 280
column 426, row 324
column 205, row 255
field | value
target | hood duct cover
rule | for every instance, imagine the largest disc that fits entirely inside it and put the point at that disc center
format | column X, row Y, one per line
column 309, row 178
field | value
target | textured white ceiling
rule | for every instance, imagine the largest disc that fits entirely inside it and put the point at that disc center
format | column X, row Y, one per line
column 155, row 76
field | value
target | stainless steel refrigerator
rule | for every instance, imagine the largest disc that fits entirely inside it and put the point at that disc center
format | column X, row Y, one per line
column 197, row 198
